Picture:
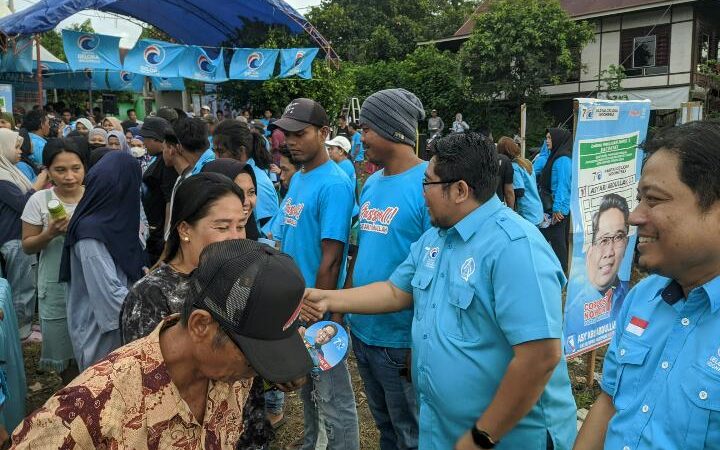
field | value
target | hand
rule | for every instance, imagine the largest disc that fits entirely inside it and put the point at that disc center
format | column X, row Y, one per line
column 275, row 169
column 557, row 217
column 57, row 227
column 291, row 385
column 41, row 180
column 315, row 305
column 466, row 442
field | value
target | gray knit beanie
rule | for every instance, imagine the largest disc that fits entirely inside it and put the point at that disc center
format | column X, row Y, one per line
column 393, row 114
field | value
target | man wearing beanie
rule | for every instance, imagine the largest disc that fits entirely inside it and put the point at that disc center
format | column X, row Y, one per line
column 315, row 216
column 392, row 216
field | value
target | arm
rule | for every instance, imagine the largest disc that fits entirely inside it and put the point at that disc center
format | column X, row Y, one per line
column 525, row 378
column 541, row 159
column 375, row 298
column 509, row 195
column 562, row 175
column 329, row 270
column 35, row 239
column 592, row 433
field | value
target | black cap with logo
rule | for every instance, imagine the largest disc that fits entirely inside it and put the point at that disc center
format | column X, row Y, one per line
column 301, row 113
column 156, row 128
column 254, row 292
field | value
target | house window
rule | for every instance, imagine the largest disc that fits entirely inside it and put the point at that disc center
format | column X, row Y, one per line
column 644, row 52
column 704, row 48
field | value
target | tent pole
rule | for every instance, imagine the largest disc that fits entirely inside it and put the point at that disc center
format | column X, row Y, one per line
column 39, row 72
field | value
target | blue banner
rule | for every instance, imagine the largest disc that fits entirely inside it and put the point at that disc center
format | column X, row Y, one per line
column 253, row 63
column 125, row 81
column 88, row 79
column 297, row 61
column 606, row 168
column 197, row 65
column 168, row 84
column 154, row 58
column 91, row 51
column 18, row 57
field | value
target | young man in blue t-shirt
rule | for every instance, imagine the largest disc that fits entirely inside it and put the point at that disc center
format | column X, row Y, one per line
column 393, row 215
column 316, row 214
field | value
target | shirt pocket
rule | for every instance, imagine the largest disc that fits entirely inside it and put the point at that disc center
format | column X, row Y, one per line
column 456, row 320
column 631, row 356
column 702, row 391
column 421, row 291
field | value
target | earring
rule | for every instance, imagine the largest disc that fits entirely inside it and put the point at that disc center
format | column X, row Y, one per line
column 186, row 239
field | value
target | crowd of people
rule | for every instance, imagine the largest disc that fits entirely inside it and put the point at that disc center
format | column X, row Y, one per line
column 173, row 265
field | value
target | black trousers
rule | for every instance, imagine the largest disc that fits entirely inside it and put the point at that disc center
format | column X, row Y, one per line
column 557, row 235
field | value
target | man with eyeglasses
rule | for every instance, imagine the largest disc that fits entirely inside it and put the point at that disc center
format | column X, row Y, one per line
column 485, row 290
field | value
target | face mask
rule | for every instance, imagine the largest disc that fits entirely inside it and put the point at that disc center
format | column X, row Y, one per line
column 138, row 152
column 94, row 146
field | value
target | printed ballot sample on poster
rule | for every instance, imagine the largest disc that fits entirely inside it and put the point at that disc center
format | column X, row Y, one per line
column 607, row 160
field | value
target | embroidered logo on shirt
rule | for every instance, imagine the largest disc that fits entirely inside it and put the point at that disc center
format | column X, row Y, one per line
column 714, row 361
column 431, row 255
column 637, row 326
column 377, row 220
column 292, row 212
column 467, row 269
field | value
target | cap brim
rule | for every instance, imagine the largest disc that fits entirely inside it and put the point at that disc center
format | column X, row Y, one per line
column 280, row 361
column 151, row 135
column 288, row 124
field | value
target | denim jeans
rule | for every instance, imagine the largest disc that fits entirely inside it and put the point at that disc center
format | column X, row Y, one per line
column 21, row 276
column 274, row 402
column 391, row 397
column 328, row 398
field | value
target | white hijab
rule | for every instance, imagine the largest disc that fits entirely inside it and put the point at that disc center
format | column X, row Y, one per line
column 8, row 152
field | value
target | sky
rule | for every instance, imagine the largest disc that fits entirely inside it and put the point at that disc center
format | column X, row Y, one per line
column 128, row 31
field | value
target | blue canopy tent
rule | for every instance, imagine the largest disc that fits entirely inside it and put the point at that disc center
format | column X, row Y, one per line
column 192, row 22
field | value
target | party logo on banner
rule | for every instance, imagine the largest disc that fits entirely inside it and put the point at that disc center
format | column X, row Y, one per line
column 91, row 51
column 197, row 65
column 154, row 58
column 253, row 64
column 297, row 62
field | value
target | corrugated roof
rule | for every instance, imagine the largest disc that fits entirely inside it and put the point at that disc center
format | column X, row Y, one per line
column 575, row 8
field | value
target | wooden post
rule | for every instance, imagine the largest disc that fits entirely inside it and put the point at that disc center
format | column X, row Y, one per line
column 39, row 71
column 591, row 368
column 523, row 126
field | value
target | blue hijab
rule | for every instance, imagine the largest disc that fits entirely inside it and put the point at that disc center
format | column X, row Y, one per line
column 109, row 212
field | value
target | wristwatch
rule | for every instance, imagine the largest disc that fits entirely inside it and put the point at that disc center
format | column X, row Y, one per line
column 482, row 439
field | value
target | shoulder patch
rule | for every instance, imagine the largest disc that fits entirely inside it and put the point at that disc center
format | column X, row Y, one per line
column 511, row 227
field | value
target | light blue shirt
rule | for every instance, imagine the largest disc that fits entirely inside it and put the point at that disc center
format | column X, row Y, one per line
column 529, row 205
column 96, row 291
column 393, row 216
column 560, row 184
column 207, row 156
column 662, row 369
column 541, row 159
column 38, row 143
column 488, row 283
column 347, row 166
column 26, row 170
column 12, row 411
column 357, row 149
column 318, row 206
column 267, row 197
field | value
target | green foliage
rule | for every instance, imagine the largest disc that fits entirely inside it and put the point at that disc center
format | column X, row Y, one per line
column 517, row 46
column 371, row 30
column 613, row 77
column 52, row 40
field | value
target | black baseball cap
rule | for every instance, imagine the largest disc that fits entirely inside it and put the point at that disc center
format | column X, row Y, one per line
column 156, row 128
column 301, row 113
column 254, row 292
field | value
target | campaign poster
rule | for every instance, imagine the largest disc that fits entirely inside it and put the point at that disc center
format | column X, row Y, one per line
column 328, row 343
column 91, row 51
column 606, row 162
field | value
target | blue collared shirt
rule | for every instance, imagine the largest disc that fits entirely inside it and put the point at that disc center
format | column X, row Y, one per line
column 662, row 369
column 488, row 283
column 38, row 143
column 207, row 156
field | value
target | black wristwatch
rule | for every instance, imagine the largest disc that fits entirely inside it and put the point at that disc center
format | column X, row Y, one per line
column 481, row 438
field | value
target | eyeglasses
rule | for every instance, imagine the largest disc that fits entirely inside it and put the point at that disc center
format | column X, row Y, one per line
column 426, row 183
column 606, row 241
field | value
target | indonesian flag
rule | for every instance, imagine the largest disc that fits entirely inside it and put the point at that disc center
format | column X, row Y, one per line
column 637, row 326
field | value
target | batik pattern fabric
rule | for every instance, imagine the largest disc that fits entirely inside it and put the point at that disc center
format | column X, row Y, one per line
column 128, row 401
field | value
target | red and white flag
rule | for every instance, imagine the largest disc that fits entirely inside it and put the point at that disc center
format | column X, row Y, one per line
column 637, row 326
